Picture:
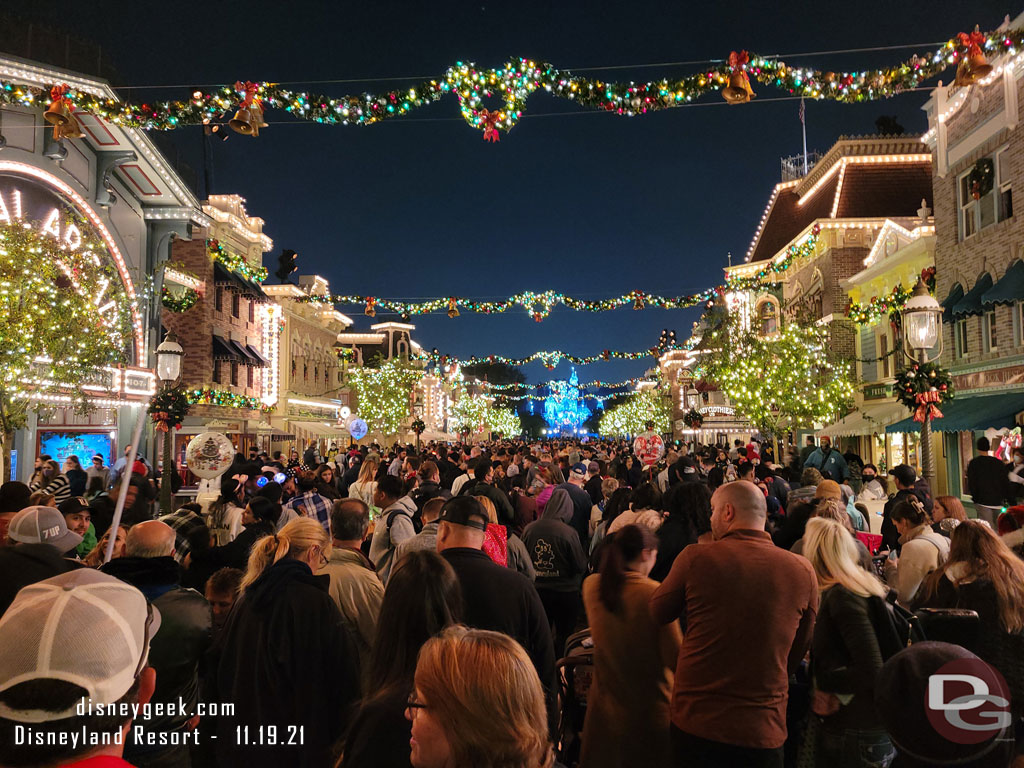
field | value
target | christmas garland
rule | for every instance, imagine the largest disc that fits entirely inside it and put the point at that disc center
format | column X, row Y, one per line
column 922, row 388
column 879, row 306
column 226, row 399
column 169, row 408
column 549, row 359
column 235, row 263
column 181, row 302
column 539, row 305
column 693, row 418
column 513, row 84
column 982, row 177
column 597, row 383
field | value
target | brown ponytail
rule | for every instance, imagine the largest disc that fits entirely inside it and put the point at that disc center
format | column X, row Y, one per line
column 621, row 548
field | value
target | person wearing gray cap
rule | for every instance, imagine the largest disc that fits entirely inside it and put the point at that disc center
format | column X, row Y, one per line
column 74, row 645
column 40, row 539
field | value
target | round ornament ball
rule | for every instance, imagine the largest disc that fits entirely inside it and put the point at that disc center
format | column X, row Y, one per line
column 209, row 454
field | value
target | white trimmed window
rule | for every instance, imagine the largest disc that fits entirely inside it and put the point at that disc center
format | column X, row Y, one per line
column 988, row 331
column 997, row 205
column 960, row 337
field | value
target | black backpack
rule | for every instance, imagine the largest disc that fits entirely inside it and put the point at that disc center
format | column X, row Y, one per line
column 417, row 521
column 895, row 626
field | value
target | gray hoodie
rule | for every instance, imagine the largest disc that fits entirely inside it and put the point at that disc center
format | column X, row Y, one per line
column 554, row 546
column 387, row 537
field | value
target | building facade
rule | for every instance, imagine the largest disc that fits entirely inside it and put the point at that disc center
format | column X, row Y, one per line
column 979, row 156
column 111, row 185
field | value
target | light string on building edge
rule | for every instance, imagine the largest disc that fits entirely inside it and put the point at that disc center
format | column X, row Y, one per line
column 513, row 83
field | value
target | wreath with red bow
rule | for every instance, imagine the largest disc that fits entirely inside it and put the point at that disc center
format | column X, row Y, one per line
column 169, row 408
column 922, row 388
column 419, row 427
column 693, row 418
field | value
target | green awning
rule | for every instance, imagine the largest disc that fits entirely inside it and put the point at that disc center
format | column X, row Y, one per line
column 964, row 414
column 970, row 304
column 1009, row 289
column 955, row 294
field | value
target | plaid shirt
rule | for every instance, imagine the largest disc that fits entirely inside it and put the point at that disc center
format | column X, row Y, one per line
column 312, row 504
column 184, row 522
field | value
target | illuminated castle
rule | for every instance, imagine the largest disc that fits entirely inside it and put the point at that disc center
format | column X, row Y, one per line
column 564, row 409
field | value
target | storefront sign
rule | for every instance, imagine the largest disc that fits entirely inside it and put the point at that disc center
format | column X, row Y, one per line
column 993, row 378
column 878, row 391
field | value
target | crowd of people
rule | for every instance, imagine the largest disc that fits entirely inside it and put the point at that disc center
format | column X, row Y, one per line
column 512, row 604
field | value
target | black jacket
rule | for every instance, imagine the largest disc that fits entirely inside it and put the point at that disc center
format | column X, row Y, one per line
column 505, row 601
column 674, row 535
column 24, row 564
column 284, row 658
column 987, row 481
column 380, row 732
column 183, row 639
column 845, row 657
column 554, row 546
column 425, row 492
column 234, row 554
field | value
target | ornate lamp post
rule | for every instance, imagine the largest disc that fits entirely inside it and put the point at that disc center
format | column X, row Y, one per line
column 168, row 370
column 922, row 325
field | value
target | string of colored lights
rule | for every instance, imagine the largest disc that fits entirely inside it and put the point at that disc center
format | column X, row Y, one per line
column 513, row 83
column 539, row 305
column 223, row 397
column 879, row 306
column 584, row 396
column 597, row 383
column 549, row 359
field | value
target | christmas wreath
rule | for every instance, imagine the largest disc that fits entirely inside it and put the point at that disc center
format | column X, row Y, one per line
column 693, row 418
column 179, row 302
column 419, row 427
column 982, row 177
column 922, row 388
column 169, row 408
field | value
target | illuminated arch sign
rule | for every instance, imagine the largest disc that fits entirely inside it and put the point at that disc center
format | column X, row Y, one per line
column 47, row 203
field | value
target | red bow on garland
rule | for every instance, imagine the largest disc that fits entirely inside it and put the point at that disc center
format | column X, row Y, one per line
column 738, row 60
column 489, row 120
column 59, row 93
column 162, row 421
column 250, row 89
column 972, row 42
column 926, row 406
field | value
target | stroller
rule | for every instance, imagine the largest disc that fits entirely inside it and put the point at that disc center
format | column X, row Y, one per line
column 575, row 673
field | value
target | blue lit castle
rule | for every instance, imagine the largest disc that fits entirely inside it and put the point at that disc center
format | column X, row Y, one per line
column 564, row 409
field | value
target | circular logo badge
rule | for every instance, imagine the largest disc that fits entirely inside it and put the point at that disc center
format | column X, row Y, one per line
column 968, row 701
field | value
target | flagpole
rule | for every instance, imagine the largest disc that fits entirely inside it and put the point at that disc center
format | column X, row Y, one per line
column 803, row 124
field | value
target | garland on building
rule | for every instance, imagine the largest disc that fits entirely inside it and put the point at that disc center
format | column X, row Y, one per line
column 168, row 408
column 539, row 305
column 693, row 418
column 922, row 388
column 235, row 263
column 879, row 306
column 513, row 84
column 226, row 399
column 179, row 302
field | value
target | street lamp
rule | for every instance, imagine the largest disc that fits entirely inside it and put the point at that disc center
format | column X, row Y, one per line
column 168, row 370
column 692, row 398
column 922, row 324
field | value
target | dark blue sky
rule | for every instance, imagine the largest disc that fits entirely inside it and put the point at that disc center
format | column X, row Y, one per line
column 587, row 203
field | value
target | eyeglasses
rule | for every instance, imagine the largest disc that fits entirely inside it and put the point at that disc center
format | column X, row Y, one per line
column 413, row 706
column 323, row 557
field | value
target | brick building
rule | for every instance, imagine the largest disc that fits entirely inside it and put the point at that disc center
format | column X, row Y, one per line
column 227, row 364
column 979, row 155
column 831, row 218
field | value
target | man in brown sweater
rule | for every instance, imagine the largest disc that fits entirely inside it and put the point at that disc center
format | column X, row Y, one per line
column 748, row 610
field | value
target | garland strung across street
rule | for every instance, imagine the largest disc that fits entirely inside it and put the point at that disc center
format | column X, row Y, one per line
column 597, row 383
column 539, row 305
column 549, row 359
column 513, row 84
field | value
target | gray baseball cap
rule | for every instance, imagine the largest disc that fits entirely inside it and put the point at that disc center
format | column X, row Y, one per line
column 43, row 525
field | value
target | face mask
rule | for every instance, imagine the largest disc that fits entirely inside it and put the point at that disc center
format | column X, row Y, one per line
column 867, row 478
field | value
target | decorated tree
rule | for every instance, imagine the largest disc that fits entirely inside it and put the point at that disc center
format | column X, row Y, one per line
column 64, row 316
column 778, row 382
column 469, row 412
column 631, row 415
column 504, row 422
column 383, row 394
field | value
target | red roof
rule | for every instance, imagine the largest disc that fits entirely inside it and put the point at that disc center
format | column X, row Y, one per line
column 872, row 188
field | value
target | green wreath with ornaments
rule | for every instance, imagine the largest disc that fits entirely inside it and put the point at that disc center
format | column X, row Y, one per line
column 693, row 419
column 982, row 177
column 179, row 302
column 922, row 388
column 169, row 408
column 419, row 427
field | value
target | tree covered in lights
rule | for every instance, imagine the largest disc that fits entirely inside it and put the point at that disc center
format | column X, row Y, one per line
column 60, row 301
column 780, row 381
column 631, row 415
column 504, row 422
column 468, row 411
column 383, row 394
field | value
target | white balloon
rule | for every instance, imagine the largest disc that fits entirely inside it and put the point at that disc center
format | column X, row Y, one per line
column 209, row 454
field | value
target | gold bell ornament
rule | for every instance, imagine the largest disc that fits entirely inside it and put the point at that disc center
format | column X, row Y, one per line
column 453, row 310
column 370, row 311
column 60, row 116
column 249, row 118
column 738, row 91
column 974, row 66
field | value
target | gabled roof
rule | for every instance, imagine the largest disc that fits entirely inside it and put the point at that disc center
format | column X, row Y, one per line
column 859, row 178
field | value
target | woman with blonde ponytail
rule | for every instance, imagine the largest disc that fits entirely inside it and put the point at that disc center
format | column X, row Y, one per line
column 845, row 653
column 283, row 634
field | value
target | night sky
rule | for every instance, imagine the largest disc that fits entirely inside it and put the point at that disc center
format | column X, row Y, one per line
column 582, row 202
